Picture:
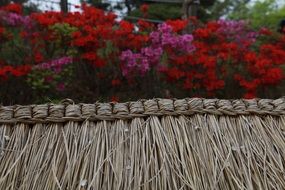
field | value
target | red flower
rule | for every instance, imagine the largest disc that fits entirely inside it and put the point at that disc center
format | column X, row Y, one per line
column 13, row 7
column 248, row 85
column 126, row 26
column 38, row 57
column 114, row 99
column 21, row 70
column 5, row 70
column 213, row 26
column 2, row 30
column 181, row 60
column 273, row 76
column 250, row 57
column 76, row 34
column 15, row 71
column 265, row 31
column 48, row 18
column 202, row 33
column 177, row 25
column 143, row 25
column 23, row 34
column 175, row 73
column 249, row 95
column 223, row 55
column 116, row 82
column 100, row 63
column 144, row 9
column 90, row 56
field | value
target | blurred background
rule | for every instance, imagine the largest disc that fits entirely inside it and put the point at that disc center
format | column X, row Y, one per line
column 260, row 12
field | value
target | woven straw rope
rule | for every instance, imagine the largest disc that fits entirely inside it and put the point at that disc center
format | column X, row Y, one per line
column 68, row 111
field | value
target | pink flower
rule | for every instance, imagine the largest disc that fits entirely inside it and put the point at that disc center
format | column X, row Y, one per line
column 13, row 19
column 56, row 64
column 48, row 79
column 160, row 40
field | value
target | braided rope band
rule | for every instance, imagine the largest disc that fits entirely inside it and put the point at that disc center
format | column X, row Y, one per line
column 111, row 111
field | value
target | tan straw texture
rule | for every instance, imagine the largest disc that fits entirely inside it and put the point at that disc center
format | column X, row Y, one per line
column 148, row 144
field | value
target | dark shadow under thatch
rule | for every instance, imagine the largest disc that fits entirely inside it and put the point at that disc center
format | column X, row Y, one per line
column 149, row 144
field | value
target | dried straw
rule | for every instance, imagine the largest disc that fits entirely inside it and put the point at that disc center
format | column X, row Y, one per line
column 149, row 144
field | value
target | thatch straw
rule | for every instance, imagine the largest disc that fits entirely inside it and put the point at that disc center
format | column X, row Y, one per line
column 154, row 144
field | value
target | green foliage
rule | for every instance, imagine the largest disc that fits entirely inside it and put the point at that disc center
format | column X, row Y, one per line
column 44, row 80
column 99, row 4
column 63, row 29
column 6, row 2
column 160, row 11
column 260, row 14
column 222, row 8
column 37, row 81
column 13, row 51
column 30, row 8
column 64, row 32
column 165, row 11
column 107, row 50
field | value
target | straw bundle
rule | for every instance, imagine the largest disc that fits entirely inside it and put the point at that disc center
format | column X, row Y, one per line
column 149, row 144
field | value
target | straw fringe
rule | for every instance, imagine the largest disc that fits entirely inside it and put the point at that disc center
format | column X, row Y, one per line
column 197, row 151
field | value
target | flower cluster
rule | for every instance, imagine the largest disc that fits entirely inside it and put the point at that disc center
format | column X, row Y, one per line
column 55, row 65
column 144, row 9
column 13, row 8
column 16, row 71
column 165, row 36
column 237, row 31
column 161, row 41
column 109, row 57
column 13, row 19
column 226, row 54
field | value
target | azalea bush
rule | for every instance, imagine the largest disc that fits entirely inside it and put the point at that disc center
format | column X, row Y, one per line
column 89, row 56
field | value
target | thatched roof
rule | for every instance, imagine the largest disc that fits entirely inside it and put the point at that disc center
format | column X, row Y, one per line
column 149, row 144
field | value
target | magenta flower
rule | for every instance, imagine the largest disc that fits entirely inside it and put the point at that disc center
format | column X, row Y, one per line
column 13, row 19
column 150, row 56
column 237, row 31
column 55, row 65
column 48, row 79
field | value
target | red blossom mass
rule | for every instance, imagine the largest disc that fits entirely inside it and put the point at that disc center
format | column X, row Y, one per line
column 13, row 7
column 221, row 58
